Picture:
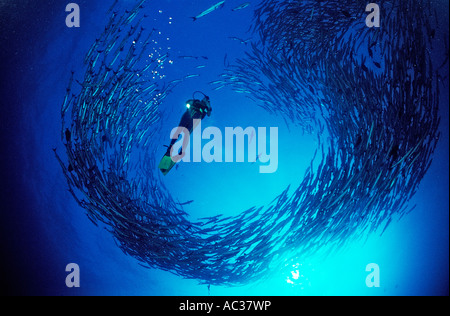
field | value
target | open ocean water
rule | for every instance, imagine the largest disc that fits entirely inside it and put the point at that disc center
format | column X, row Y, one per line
column 43, row 228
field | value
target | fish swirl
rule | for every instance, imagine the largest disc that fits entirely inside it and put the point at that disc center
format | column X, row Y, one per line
column 369, row 98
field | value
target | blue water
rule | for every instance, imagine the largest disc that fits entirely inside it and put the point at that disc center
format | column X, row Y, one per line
column 43, row 229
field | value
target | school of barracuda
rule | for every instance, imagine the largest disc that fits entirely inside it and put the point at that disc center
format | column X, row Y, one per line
column 369, row 95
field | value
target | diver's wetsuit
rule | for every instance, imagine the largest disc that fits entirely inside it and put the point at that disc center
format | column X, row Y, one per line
column 197, row 110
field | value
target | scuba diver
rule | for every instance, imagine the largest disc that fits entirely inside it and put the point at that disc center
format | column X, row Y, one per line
column 196, row 111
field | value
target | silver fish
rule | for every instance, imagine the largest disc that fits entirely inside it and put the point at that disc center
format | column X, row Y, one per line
column 242, row 6
column 208, row 11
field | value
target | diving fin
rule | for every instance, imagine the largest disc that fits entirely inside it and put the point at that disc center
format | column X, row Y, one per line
column 166, row 164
